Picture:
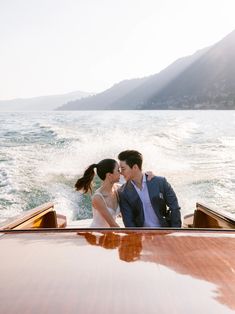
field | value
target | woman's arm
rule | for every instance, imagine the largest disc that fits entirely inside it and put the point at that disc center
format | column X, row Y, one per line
column 150, row 175
column 98, row 204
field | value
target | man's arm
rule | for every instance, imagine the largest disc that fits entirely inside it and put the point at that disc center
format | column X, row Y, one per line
column 172, row 202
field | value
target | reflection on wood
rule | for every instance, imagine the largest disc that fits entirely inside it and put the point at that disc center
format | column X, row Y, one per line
column 209, row 257
column 129, row 245
column 117, row 271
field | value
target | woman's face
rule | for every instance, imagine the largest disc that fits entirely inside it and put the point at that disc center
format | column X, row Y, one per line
column 115, row 176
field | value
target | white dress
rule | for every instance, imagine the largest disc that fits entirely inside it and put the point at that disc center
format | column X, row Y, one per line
column 98, row 219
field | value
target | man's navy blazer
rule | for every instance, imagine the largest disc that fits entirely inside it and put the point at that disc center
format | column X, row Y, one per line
column 161, row 196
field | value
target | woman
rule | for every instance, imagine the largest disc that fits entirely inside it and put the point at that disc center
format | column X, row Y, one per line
column 105, row 205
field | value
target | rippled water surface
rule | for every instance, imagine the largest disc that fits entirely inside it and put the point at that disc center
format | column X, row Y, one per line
column 42, row 154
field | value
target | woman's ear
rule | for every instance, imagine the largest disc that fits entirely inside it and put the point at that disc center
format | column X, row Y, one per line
column 108, row 175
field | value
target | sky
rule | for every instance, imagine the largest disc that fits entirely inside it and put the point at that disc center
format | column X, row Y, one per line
column 52, row 47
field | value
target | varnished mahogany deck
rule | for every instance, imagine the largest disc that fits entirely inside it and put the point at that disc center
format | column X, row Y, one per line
column 124, row 271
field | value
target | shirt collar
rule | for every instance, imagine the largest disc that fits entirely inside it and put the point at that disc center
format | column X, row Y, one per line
column 143, row 182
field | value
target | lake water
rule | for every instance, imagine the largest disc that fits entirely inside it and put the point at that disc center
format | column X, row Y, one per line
column 43, row 153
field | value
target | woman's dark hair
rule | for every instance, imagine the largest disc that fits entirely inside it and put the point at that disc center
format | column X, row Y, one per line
column 131, row 157
column 102, row 168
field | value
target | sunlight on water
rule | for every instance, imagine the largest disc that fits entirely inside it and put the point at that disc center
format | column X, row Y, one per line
column 42, row 154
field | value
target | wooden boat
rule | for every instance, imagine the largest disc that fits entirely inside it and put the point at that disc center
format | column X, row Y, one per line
column 204, row 217
column 45, row 216
column 47, row 267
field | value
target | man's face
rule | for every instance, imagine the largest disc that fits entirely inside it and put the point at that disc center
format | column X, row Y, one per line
column 126, row 171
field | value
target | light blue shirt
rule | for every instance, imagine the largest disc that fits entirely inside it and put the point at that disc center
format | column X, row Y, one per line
column 150, row 218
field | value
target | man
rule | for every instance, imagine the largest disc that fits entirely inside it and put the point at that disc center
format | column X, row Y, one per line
column 143, row 203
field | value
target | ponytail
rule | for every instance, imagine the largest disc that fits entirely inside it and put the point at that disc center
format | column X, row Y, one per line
column 84, row 183
column 103, row 167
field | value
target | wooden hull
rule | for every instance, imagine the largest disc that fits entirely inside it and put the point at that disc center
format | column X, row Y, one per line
column 43, row 216
column 47, row 268
column 117, row 271
column 205, row 217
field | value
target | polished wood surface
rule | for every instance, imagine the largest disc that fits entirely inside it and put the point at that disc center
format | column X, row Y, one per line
column 205, row 217
column 43, row 216
column 117, row 271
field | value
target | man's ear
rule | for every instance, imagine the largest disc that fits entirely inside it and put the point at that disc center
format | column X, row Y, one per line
column 135, row 167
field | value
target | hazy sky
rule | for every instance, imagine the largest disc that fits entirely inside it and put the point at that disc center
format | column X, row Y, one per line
column 59, row 46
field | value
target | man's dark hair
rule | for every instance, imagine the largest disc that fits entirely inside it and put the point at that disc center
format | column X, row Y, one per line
column 131, row 157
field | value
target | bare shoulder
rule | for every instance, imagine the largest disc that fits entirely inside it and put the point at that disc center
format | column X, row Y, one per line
column 97, row 197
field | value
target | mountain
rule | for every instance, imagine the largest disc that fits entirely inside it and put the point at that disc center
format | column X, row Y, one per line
column 208, row 83
column 204, row 80
column 134, row 93
column 40, row 103
column 155, row 83
column 105, row 99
